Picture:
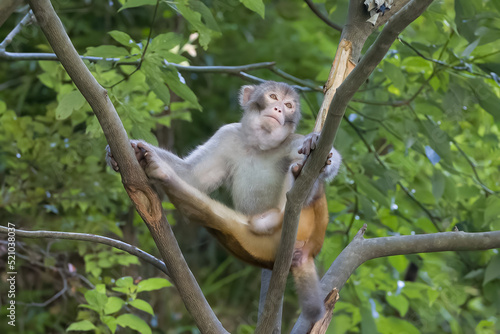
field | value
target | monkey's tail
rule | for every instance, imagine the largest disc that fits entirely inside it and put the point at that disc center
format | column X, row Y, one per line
column 308, row 289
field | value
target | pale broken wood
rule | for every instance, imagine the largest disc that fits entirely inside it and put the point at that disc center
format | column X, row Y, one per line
column 341, row 67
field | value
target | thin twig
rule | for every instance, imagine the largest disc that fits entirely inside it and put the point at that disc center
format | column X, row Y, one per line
column 143, row 55
column 322, row 16
column 400, row 103
column 54, row 297
column 290, row 77
column 442, row 63
column 92, row 238
column 466, row 157
column 27, row 19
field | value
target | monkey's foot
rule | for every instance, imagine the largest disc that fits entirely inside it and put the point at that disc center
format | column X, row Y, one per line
column 267, row 222
column 110, row 160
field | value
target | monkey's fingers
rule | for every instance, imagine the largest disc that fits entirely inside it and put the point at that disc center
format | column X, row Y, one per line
column 113, row 162
column 142, row 154
column 139, row 151
column 296, row 169
column 306, row 147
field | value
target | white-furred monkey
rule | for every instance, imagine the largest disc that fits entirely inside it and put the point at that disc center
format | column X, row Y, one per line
column 257, row 160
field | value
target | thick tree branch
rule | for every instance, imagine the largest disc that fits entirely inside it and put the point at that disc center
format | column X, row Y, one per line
column 361, row 250
column 92, row 238
column 304, row 182
column 145, row 199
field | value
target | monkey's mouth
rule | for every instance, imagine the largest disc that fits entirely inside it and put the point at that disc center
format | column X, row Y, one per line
column 275, row 118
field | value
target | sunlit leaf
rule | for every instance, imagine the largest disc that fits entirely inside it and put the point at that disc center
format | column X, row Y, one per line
column 83, row 325
column 152, row 284
column 133, row 322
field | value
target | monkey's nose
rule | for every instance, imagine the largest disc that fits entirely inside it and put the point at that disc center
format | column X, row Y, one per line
column 278, row 110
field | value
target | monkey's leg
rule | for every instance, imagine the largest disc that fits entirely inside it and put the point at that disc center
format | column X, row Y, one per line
column 232, row 226
column 267, row 222
column 307, row 285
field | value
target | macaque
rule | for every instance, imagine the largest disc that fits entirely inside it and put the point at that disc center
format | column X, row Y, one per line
column 258, row 160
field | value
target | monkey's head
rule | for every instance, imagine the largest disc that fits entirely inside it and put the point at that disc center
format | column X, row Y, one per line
column 271, row 112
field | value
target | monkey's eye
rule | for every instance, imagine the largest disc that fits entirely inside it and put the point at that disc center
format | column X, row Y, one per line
column 273, row 96
column 288, row 105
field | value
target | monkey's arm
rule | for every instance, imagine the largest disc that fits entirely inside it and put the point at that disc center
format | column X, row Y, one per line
column 206, row 168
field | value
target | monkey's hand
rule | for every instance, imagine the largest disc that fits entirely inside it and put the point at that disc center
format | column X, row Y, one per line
column 110, row 160
column 266, row 223
column 332, row 163
column 150, row 161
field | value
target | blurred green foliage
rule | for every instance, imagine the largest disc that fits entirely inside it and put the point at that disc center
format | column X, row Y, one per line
column 420, row 143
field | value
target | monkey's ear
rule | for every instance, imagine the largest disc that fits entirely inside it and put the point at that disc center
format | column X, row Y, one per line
column 245, row 93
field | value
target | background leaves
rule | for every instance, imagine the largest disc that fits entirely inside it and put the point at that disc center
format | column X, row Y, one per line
column 420, row 146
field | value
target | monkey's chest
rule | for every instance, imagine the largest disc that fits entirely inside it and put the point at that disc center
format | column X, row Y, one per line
column 258, row 184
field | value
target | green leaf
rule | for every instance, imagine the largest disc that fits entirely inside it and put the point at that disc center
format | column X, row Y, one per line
column 178, row 85
column 399, row 262
column 96, row 299
column 195, row 20
column 122, row 38
column 255, row 5
column 393, row 325
column 206, row 14
column 134, row 322
column 426, row 225
column 125, row 282
column 395, row 74
column 492, row 211
column 142, row 305
column 113, row 305
column 83, row 325
column 152, row 284
column 137, row 3
column 388, row 219
column 432, row 294
column 438, row 140
column 155, row 82
column 493, row 270
column 367, row 186
column 367, row 322
column 486, row 97
column 438, row 184
column 399, row 302
column 165, row 41
column 70, row 102
column 110, row 322
column 107, row 51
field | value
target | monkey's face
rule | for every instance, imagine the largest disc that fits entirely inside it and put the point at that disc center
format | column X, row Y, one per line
column 278, row 109
column 272, row 108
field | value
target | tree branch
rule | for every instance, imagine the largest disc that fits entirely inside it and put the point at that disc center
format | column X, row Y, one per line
column 361, row 250
column 146, row 200
column 92, row 238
